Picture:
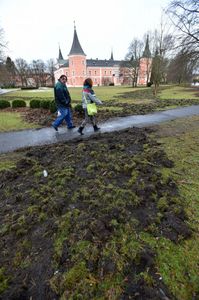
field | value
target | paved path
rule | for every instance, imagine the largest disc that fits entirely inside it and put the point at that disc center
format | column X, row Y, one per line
column 11, row 141
column 5, row 91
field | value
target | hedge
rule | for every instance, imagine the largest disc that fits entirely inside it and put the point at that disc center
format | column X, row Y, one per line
column 18, row 103
column 45, row 104
column 79, row 109
column 4, row 104
column 35, row 103
column 53, row 107
column 29, row 88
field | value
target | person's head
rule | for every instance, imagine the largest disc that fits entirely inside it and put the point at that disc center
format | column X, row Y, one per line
column 63, row 79
column 88, row 82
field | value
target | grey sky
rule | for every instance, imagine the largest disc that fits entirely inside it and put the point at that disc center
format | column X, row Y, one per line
column 34, row 28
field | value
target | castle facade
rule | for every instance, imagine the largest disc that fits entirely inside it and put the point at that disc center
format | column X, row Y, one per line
column 103, row 72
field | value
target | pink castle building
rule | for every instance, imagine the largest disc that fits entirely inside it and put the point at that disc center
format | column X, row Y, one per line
column 144, row 72
column 103, row 72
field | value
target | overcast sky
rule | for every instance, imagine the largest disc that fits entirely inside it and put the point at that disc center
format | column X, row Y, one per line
column 35, row 28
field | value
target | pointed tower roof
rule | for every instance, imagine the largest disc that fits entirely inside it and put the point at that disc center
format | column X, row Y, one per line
column 147, row 52
column 76, row 47
column 60, row 57
column 111, row 55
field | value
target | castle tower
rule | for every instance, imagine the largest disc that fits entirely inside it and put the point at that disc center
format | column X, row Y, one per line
column 60, row 57
column 77, row 62
column 144, row 72
column 111, row 55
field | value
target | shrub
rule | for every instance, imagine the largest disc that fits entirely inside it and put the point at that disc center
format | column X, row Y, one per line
column 45, row 104
column 79, row 109
column 35, row 103
column 149, row 83
column 29, row 88
column 111, row 84
column 53, row 107
column 4, row 104
column 18, row 103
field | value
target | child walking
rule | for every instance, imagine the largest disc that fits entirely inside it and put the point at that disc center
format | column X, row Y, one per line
column 88, row 96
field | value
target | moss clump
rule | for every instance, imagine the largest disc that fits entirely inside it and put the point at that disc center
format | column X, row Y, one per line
column 162, row 204
column 3, row 280
column 64, row 226
column 74, row 276
column 72, row 283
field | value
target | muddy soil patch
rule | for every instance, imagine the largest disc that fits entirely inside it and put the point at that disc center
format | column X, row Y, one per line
column 75, row 234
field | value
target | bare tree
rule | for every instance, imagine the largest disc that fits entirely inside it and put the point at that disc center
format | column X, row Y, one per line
column 11, row 72
column 22, row 70
column 3, row 71
column 50, row 69
column 162, row 42
column 4, row 76
column 181, row 67
column 184, row 14
column 37, row 70
column 132, row 60
column 106, row 81
column 156, row 72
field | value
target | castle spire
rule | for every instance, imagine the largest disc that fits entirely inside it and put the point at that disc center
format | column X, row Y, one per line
column 76, row 47
column 111, row 55
column 147, row 52
column 60, row 57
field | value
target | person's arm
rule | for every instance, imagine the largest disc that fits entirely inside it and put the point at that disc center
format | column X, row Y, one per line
column 68, row 96
column 84, row 100
column 94, row 99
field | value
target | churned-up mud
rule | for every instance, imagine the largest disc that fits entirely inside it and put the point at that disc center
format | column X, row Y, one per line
column 77, row 230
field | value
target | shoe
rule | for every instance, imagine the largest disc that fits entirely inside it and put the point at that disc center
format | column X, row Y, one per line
column 55, row 127
column 96, row 128
column 80, row 129
column 71, row 127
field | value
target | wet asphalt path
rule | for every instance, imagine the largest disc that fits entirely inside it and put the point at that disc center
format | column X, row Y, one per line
column 10, row 141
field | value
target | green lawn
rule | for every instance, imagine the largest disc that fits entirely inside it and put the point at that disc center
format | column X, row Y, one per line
column 108, row 93
column 13, row 121
column 179, row 92
column 105, row 93
column 29, row 94
column 178, row 264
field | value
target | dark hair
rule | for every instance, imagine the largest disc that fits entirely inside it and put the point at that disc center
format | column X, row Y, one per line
column 63, row 76
column 89, row 82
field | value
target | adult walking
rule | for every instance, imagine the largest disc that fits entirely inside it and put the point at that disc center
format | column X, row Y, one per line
column 88, row 96
column 63, row 103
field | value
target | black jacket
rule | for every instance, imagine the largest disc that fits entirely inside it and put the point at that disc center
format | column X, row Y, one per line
column 62, row 96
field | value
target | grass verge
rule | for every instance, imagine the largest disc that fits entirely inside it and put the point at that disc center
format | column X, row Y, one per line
column 179, row 264
column 13, row 121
